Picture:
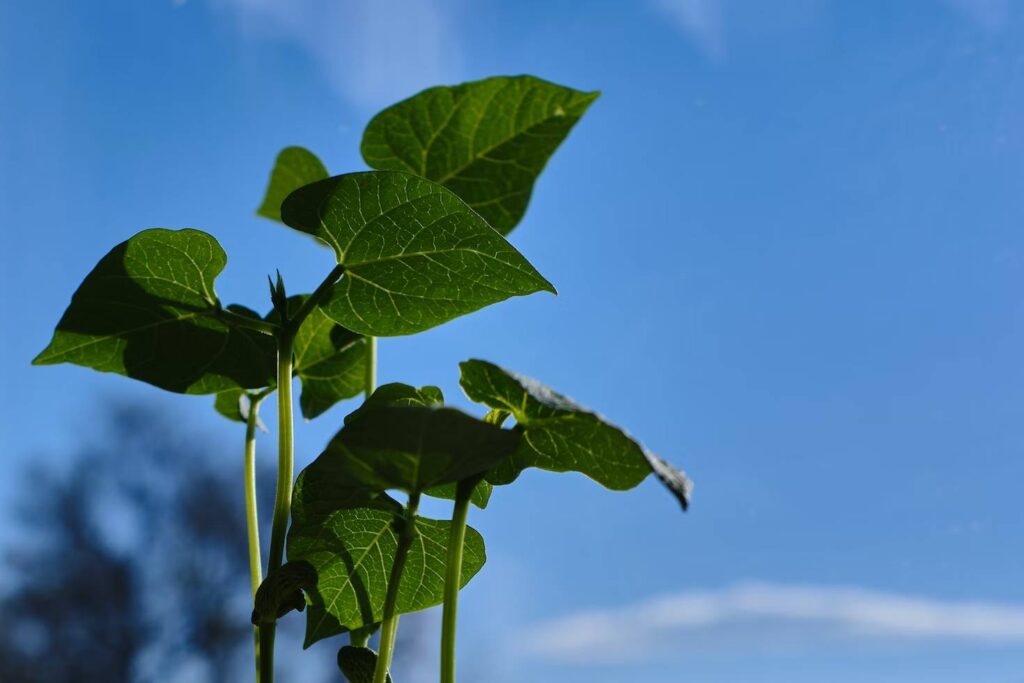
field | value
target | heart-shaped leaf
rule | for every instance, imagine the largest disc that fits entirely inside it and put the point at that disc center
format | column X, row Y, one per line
column 358, row 664
column 329, row 481
column 561, row 436
column 148, row 310
column 293, row 168
column 487, row 140
column 415, row 255
column 352, row 550
column 413, row 448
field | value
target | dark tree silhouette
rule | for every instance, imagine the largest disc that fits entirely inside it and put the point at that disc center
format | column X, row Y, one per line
column 130, row 564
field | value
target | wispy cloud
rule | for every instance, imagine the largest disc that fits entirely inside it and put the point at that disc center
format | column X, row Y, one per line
column 371, row 51
column 769, row 615
column 700, row 20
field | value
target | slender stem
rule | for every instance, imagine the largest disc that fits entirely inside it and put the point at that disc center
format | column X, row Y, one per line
column 360, row 637
column 453, row 576
column 314, row 299
column 371, row 366
column 256, row 324
column 251, row 514
column 283, row 497
column 389, row 626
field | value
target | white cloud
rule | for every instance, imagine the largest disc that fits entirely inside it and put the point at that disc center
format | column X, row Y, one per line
column 700, row 20
column 768, row 615
column 371, row 51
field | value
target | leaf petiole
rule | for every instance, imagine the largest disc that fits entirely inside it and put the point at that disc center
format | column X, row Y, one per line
column 251, row 516
column 230, row 317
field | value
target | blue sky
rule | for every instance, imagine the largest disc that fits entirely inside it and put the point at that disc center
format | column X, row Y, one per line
column 788, row 249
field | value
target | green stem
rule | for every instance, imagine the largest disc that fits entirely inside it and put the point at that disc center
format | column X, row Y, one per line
column 453, row 576
column 283, row 497
column 238, row 320
column 370, row 381
column 251, row 515
column 314, row 299
column 389, row 626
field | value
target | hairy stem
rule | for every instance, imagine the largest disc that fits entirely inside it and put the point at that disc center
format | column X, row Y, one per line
column 251, row 515
column 389, row 626
column 283, row 497
column 453, row 576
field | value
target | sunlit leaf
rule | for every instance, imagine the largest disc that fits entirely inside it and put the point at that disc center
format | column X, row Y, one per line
column 293, row 168
column 561, row 436
column 487, row 140
column 415, row 255
column 148, row 310
column 352, row 550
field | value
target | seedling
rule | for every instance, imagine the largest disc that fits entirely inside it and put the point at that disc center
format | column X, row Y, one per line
column 417, row 241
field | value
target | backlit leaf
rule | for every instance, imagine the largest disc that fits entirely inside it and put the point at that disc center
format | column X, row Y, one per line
column 415, row 255
column 293, row 168
column 487, row 140
column 352, row 550
column 561, row 436
column 148, row 310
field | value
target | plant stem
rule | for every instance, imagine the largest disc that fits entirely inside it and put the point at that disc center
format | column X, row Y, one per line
column 313, row 300
column 389, row 626
column 283, row 497
column 453, row 576
column 251, row 514
column 371, row 366
column 256, row 324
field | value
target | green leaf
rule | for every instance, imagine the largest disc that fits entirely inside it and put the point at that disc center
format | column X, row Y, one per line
column 148, row 311
column 415, row 255
column 352, row 550
column 329, row 360
column 487, row 141
column 413, row 448
column 358, row 664
column 480, row 497
column 282, row 591
column 294, row 167
column 561, row 436
column 229, row 404
column 398, row 394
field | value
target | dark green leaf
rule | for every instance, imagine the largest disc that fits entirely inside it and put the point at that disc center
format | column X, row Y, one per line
column 487, row 140
column 358, row 664
column 329, row 360
column 560, row 436
column 414, row 448
column 352, row 550
column 398, row 394
column 282, row 591
column 480, row 497
column 294, row 167
column 415, row 255
column 148, row 310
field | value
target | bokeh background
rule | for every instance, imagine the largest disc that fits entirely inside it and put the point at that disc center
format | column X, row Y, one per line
column 788, row 245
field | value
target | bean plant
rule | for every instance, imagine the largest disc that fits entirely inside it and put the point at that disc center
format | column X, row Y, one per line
column 418, row 240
